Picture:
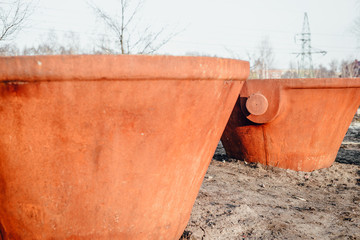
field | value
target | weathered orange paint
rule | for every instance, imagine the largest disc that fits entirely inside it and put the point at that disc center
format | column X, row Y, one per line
column 108, row 147
column 303, row 126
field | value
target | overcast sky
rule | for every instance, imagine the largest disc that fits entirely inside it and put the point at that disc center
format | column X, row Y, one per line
column 225, row 28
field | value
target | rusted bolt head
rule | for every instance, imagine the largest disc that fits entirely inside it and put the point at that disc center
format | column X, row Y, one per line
column 257, row 104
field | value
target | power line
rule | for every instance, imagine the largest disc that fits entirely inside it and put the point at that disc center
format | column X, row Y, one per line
column 306, row 65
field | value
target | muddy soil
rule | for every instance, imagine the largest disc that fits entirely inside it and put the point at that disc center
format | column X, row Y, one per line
column 239, row 200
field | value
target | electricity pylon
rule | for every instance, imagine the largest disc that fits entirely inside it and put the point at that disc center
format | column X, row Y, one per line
column 306, row 68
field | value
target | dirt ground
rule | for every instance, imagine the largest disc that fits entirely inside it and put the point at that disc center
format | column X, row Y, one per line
column 239, row 200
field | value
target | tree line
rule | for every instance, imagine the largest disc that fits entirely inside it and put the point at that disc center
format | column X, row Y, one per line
column 125, row 39
column 125, row 36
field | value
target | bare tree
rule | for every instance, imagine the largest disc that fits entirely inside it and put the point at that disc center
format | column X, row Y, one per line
column 67, row 45
column 72, row 45
column 350, row 68
column 12, row 18
column 9, row 50
column 322, row 72
column 292, row 72
column 263, row 60
column 123, row 27
column 334, row 66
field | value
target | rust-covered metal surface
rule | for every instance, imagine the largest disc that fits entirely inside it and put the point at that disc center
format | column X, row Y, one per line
column 108, row 147
column 296, row 124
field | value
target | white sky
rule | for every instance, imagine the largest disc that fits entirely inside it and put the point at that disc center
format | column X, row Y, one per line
column 226, row 28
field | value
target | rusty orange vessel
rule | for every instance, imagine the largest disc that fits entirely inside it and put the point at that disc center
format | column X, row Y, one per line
column 108, row 147
column 296, row 124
